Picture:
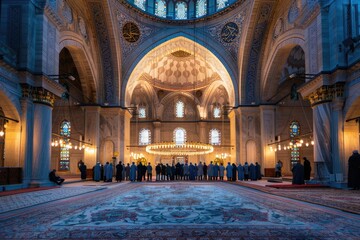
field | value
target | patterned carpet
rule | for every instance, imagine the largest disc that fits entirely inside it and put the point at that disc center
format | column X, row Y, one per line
column 178, row 211
column 342, row 199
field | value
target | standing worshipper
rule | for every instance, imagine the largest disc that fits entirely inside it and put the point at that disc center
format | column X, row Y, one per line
column 258, row 171
column 177, row 171
column 298, row 173
column 229, row 171
column 149, row 172
column 240, row 170
column 163, row 172
column 210, row 171
column 233, row 172
column 123, row 172
column 109, row 174
column 186, row 171
column 221, row 172
column 133, row 170
column 139, row 172
column 158, row 171
column 196, row 171
column 106, row 166
column 192, row 171
column 354, row 171
column 97, row 172
column 119, row 170
column 246, row 171
column 205, row 168
column 307, row 169
column 252, row 172
column 127, row 172
column 200, row 172
column 216, row 171
column 82, row 168
column 278, row 167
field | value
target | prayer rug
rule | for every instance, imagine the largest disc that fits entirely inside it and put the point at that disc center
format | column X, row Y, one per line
column 186, row 210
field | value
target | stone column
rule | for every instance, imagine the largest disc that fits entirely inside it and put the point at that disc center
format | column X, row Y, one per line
column 322, row 143
column 235, row 157
column 267, row 123
column 125, row 117
column 337, row 139
column 157, row 138
column 26, row 143
column 43, row 102
column 202, row 137
column 92, row 134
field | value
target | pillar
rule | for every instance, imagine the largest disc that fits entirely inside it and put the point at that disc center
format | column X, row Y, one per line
column 26, row 143
column 267, row 123
column 92, row 134
column 157, row 138
column 337, row 139
column 125, row 117
column 322, row 144
column 43, row 101
column 233, row 138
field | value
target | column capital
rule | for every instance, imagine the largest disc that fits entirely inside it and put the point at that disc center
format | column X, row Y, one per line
column 38, row 94
column 157, row 124
column 327, row 93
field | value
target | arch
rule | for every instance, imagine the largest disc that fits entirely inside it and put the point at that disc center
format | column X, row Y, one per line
column 169, row 45
column 84, row 63
column 276, row 60
column 11, row 108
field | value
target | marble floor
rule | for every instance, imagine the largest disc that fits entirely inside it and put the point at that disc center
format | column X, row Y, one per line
column 168, row 210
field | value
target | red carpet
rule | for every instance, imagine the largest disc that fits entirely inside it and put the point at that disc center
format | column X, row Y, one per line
column 24, row 190
column 296, row 186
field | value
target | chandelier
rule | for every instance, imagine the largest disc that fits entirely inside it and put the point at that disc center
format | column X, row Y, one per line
column 176, row 149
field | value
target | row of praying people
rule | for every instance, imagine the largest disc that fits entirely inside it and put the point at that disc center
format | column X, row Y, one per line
column 166, row 172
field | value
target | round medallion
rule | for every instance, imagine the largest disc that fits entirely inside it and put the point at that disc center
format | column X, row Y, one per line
column 131, row 32
column 229, row 32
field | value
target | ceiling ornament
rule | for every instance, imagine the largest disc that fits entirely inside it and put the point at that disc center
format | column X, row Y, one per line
column 229, row 33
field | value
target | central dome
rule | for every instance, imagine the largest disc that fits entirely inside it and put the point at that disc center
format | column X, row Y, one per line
column 181, row 9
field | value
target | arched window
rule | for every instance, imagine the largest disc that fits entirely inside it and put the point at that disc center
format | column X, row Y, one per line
column 181, row 10
column 142, row 112
column 160, row 8
column 179, row 136
column 144, row 136
column 215, row 136
column 220, row 4
column 65, row 132
column 179, row 109
column 294, row 133
column 217, row 112
column 140, row 4
column 201, row 6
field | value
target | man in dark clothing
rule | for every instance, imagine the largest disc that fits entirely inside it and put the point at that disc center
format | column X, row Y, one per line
column 119, row 170
column 139, row 172
column 56, row 179
column 307, row 169
column 82, row 169
column 298, row 174
column 354, row 171
column 158, row 171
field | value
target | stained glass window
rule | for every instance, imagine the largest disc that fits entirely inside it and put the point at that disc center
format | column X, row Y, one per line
column 144, row 136
column 65, row 131
column 217, row 112
column 142, row 112
column 179, row 136
column 179, row 110
column 140, row 4
column 214, row 136
column 220, row 4
column 181, row 10
column 294, row 133
column 160, row 8
column 201, row 8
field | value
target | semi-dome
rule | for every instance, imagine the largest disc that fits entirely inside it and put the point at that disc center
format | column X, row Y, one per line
column 181, row 9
